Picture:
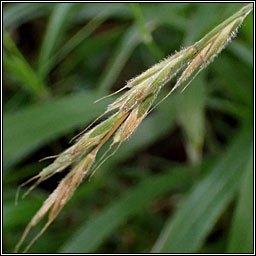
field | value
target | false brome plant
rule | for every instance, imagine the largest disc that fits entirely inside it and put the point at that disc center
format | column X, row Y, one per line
column 128, row 111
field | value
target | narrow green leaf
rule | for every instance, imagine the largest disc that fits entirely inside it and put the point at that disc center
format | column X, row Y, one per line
column 92, row 47
column 36, row 125
column 241, row 236
column 53, row 34
column 123, row 51
column 74, row 42
column 90, row 10
column 82, row 34
column 15, row 101
column 248, row 29
column 128, row 43
column 237, row 85
column 243, row 52
column 191, row 108
column 186, row 231
column 95, row 231
column 16, row 215
column 227, row 106
column 166, row 14
column 16, row 14
column 145, row 34
column 25, row 75
column 15, row 62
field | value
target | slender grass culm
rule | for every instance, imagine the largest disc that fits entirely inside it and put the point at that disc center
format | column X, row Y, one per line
column 130, row 109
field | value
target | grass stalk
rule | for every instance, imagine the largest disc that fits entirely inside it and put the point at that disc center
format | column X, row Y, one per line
column 146, row 35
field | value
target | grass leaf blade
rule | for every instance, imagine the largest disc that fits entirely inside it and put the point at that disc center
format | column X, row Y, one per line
column 241, row 236
column 93, row 233
column 186, row 231
column 54, row 32
column 32, row 127
column 21, row 69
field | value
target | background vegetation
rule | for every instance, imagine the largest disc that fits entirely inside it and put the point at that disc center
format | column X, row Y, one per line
column 183, row 182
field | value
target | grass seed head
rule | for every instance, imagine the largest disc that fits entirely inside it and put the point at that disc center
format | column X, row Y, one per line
column 132, row 107
column 59, row 197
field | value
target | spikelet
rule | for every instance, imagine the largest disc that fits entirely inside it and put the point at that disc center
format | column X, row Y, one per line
column 59, row 197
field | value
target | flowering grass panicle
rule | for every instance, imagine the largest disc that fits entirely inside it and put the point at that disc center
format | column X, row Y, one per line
column 131, row 108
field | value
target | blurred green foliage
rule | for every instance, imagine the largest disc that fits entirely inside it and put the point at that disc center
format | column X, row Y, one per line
column 183, row 182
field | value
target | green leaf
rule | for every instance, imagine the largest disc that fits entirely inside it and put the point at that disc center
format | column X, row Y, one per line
column 90, row 10
column 94, row 232
column 37, row 124
column 18, row 66
column 227, row 106
column 186, row 231
column 25, row 75
column 237, row 85
column 16, row 14
column 243, row 52
column 241, row 236
column 16, row 215
column 125, row 48
column 55, row 30
column 248, row 29
column 74, row 42
column 145, row 34
column 93, row 46
column 166, row 14
column 123, row 51
column 191, row 108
